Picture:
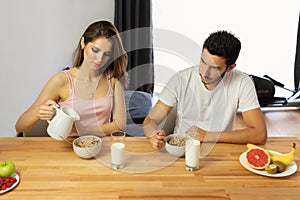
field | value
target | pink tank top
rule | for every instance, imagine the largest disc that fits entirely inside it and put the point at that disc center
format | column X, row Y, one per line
column 92, row 112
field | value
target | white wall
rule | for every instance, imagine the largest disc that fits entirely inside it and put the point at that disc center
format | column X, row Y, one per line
column 37, row 39
column 266, row 28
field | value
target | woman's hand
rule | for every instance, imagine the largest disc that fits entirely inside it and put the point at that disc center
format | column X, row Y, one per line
column 46, row 112
column 158, row 140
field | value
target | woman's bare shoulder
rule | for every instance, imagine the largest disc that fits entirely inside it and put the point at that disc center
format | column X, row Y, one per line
column 59, row 79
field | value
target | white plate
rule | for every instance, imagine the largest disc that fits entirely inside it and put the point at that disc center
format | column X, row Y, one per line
column 14, row 185
column 291, row 168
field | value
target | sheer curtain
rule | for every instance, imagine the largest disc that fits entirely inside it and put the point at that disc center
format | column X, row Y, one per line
column 133, row 18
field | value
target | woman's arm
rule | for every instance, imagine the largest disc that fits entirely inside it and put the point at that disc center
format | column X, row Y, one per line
column 118, row 122
column 40, row 109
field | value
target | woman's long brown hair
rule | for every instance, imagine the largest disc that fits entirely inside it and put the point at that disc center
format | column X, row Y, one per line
column 118, row 63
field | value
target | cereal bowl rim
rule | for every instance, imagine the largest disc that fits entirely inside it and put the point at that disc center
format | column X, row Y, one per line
column 87, row 136
column 170, row 136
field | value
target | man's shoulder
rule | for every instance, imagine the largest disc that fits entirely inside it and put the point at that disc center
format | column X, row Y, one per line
column 191, row 69
column 187, row 72
column 238, row 72
column 238, row 75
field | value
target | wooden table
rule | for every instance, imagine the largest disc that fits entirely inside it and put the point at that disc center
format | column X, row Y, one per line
column 50, row 169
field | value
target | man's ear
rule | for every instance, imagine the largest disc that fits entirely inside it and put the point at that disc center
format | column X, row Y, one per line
column 230, row 67
column 82, row 43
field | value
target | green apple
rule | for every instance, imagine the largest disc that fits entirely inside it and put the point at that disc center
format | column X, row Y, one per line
column 7, row 168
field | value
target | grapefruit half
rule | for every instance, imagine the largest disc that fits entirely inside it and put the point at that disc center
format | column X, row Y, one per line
column 257, row 158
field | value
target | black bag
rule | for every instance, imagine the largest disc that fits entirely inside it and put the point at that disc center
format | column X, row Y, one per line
column 265, row 90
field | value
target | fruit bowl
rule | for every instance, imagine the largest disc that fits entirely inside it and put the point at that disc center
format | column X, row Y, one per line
column 175, row 145
column 87, row 146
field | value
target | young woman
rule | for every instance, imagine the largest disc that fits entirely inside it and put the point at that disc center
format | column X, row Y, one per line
column 93, row 87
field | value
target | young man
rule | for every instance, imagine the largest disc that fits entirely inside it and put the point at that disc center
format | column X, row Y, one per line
column 207, row 98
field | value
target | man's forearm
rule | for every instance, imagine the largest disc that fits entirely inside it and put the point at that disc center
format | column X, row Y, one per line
column 243, row 136
column 150, row 127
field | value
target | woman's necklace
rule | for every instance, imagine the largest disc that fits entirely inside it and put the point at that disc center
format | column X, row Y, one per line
column 86, row 89
column 91, row 88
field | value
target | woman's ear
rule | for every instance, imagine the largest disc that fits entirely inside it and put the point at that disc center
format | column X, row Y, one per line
column 82, row 43
column 230, row 67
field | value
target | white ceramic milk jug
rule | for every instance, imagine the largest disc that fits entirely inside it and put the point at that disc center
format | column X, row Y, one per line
column 61, row 124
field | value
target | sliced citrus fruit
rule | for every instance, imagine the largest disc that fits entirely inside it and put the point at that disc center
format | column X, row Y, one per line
column 257, row 158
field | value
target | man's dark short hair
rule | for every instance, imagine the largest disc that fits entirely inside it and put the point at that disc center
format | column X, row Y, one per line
column 224, row 44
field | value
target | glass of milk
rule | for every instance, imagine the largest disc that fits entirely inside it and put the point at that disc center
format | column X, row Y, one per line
column 192, row 154
column 117, row 149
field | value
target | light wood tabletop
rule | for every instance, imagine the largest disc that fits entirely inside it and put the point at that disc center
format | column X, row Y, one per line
column 49, row 169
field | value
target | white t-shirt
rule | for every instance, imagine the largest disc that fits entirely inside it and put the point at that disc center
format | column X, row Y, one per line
column 210, row 110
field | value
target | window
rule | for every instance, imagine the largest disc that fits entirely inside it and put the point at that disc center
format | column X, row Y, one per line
column 267, row 30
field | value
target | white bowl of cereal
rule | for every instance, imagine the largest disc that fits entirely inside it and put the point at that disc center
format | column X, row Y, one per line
column 87, row 146
column 175, row 145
